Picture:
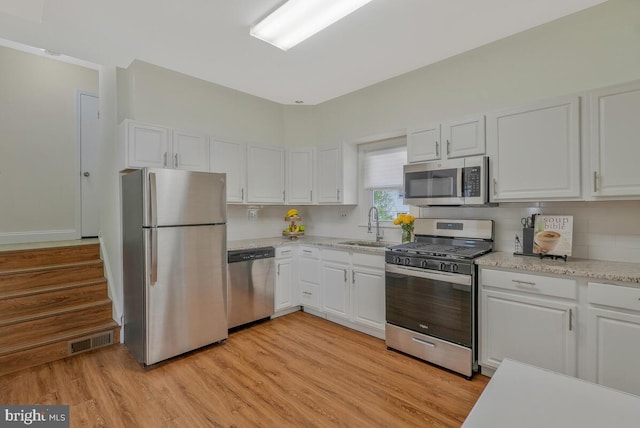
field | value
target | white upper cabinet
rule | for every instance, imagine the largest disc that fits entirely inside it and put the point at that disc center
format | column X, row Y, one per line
column 153, row 146
column 190, row 151
column 615, row 141
column 265, row 174
column 535, row 151
column 300, row 176
column 423, row 143
column 146, row 145
column 230, row 158
column 464, row 137
column 337, row 175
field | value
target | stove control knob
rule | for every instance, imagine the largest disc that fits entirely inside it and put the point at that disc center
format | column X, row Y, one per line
column 407, row 261
column 424, row 264
column 397, row 260
column 454, row 267
column 443, row 266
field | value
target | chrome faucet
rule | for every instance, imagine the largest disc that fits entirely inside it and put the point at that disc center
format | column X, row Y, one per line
column 377, row 219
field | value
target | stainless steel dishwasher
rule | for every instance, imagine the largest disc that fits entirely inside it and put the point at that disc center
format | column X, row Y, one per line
column 251, row 285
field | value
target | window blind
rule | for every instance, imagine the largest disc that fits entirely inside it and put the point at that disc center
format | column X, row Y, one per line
column 383, row 167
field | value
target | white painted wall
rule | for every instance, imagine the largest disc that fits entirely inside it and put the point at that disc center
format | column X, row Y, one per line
column 38, row 151
column 157, row 95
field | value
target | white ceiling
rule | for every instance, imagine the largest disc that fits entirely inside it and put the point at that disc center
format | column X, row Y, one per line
column 209, row 39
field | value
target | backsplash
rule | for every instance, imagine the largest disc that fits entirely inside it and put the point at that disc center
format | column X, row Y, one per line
column 601, row 230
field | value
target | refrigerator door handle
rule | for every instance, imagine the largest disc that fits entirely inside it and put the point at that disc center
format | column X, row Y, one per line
column 154, row 255
column 153, row 200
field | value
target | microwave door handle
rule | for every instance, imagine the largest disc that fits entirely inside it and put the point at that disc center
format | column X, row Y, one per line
column 459, row 182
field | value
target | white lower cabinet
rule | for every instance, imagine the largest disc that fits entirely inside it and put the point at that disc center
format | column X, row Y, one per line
column 309, row 277
column 523, row 318
column 286, row 290
column 614, row 336
column 353, row 290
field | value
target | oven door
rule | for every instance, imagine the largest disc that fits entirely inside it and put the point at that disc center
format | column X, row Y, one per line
column 437, row 304
column 434, row 183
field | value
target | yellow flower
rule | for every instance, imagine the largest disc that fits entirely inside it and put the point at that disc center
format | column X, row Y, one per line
column 396, row 221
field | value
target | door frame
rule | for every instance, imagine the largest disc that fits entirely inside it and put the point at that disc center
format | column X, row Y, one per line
column 78, row 165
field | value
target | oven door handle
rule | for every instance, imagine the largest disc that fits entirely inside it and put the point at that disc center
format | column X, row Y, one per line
column 453, row 278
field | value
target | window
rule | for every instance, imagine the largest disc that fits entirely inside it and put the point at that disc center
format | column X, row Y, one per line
column 382, row 164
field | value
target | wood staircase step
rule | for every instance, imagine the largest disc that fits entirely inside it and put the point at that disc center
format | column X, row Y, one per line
column 23, row 259
column 32, row 279
column 42, row 331
column 30, row 307
column 53, row 350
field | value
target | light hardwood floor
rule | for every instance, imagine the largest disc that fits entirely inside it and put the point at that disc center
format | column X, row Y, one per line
column 297, row 370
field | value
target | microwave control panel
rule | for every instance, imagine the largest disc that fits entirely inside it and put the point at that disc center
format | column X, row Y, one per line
column 472, row 179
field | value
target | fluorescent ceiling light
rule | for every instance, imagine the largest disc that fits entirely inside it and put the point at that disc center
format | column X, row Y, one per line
column 297, row 20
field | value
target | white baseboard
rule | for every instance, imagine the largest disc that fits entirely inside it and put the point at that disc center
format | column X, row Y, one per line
column 38, row 236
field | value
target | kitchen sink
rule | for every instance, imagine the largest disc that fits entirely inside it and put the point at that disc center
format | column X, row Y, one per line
column 373, row 244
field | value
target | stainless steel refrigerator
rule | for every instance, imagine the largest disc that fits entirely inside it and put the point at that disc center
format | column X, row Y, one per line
column 175, row 262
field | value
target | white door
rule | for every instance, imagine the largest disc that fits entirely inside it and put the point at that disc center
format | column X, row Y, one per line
column 423, row 144
column 464, row 137
column 368, row 297
column 190, row 151
column 284, row 284
column 265, row 174
column 300, row 179
column 329, row 175
column 230, row 158
column 336, row 290
column 89, row 164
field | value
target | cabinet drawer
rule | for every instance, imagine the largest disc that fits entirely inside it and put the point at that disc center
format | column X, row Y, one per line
column 284, row 252
column 310, row 252
column 310, row 295
column 617, row 296
column 534, row 284
column 335, row 256
column 370, row 260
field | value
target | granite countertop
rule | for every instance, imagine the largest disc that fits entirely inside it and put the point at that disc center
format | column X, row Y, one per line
column 594, row 269
column 320, row 241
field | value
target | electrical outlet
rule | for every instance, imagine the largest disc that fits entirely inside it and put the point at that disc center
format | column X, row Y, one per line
column 344, row 214
column 252, row 214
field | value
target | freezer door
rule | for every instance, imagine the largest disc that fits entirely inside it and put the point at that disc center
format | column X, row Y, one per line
column 186, row 286
column 174, row 197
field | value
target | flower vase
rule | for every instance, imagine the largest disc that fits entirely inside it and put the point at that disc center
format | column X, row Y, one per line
column 406, row 236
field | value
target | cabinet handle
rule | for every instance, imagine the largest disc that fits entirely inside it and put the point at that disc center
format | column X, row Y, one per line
column 242, row 194
column 310, row 195
column 595, row 181
column 338, row 194
column 345, row 275
column 306, row 251
column 308, row 293
column 353, row 276
column 437, row 149
column 495, row 187
column 278, row 270
column 517, row 281
column 448, row 148
column 283, row 195
column 423, row 342
column 570, row 319
column 175, row 162
column 164, row 163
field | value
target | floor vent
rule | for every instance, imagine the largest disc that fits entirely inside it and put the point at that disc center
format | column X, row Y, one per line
column 91, row 342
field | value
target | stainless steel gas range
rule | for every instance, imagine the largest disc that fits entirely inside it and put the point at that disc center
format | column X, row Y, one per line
column 431, row 292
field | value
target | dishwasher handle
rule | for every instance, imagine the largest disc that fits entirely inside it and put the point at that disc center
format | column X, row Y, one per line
column 237, row 256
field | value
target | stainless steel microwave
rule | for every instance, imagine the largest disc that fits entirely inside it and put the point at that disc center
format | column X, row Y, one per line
column 463, row 181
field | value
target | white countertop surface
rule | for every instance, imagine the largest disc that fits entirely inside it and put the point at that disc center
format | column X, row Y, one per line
column 595, row 269
column 524, row 396
column 321, row 241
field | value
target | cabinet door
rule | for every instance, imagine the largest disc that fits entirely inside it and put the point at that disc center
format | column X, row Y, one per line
column 284, row 284
column 614, row 348
column 536, row 151
column 147, row 146
column 265, row 174
column 300, row 176
column 329, row 175
column 335, row 289
column 230, row 158
column 190, row 151
column 535, row 331
column 464, row 137
column 615, row 145
column 423, row 144
column 368, row 297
